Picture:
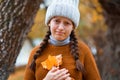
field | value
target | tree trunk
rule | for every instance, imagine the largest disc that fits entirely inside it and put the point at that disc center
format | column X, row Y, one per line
column 16, row 19
column 111, row 56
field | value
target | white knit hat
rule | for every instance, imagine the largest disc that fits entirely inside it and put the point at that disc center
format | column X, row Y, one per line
column 65, row 8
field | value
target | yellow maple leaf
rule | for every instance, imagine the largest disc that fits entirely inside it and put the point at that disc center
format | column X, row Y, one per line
column 52, row 61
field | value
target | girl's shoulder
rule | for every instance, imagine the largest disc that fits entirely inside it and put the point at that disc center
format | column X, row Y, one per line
column 35, row 48
column 33, row 51
column 83, row 46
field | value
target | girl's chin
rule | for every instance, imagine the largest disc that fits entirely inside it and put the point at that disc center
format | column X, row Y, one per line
column 59, row 38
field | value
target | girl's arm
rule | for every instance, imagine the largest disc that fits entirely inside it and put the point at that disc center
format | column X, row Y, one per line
column 92, row 72
column 29, row 74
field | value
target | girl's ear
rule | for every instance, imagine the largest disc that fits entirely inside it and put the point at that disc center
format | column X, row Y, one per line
column 73, row 27
column 49, row 24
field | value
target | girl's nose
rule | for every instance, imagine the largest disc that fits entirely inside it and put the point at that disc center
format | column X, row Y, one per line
column 61, row 26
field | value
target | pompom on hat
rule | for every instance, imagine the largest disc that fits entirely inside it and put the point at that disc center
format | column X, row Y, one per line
column 65, row 8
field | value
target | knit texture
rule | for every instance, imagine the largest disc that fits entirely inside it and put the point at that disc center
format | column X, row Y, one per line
column 86, row 59
column 65, row 8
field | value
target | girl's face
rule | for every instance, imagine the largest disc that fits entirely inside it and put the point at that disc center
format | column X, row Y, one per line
column 60, row 27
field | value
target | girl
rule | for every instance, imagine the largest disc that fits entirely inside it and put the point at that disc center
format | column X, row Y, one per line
column 62, row 18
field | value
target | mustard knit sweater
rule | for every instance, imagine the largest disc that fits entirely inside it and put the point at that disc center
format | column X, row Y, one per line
column 86, row 59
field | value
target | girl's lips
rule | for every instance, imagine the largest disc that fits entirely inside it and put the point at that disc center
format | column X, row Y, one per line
column 60, row 33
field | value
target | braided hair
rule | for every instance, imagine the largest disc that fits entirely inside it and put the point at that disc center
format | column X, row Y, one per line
column 39, row 51
column 75, row 52
column 73, row 48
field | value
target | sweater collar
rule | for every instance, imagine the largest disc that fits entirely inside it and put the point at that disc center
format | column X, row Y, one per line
column 59, row 43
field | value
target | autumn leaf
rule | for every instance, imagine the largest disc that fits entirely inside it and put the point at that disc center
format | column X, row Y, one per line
column 52, row 61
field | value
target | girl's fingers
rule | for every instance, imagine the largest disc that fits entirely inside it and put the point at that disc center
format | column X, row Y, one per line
column 50, row 75
column 65, row 77
column 68, row 78
column 60, row 73
column 54, row 69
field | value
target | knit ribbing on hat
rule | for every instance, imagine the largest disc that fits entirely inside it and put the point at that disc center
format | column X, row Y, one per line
column 68, row 9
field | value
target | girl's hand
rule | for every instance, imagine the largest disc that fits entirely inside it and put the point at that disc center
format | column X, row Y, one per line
column 68, row 78
column 57, row 74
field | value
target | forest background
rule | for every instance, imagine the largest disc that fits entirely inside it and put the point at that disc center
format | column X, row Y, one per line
column 92, row 29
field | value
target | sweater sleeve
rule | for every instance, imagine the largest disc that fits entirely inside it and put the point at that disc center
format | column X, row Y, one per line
column 29, row 74
column 92, row 72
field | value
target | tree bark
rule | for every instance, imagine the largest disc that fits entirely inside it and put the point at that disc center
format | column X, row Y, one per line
column 111, row 56
column 16, row 19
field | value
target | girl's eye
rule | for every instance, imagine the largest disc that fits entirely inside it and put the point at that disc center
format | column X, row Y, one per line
column 56, row 21
column 67, row 23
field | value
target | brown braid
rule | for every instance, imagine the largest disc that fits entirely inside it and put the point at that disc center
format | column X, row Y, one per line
column 41, row 48
column 75, row 52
